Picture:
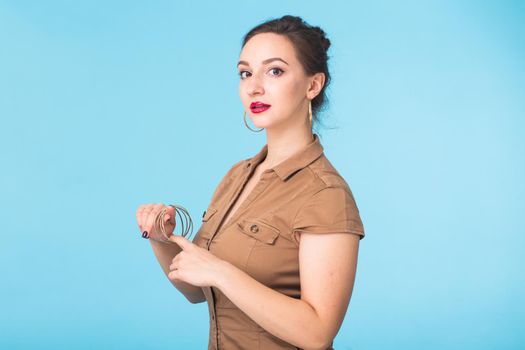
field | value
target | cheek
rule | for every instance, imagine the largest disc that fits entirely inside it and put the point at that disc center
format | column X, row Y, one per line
column 291, row 96
column 294, row 91
column 283, row 99
column 242, row 94
column 283, row 92
column 245, row 100
column 287, row 86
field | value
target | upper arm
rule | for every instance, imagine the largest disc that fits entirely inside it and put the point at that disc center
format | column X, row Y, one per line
column 330, row 230
column 328, row 265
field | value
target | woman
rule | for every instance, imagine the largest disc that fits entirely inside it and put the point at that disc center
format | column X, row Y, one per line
column 276, row 254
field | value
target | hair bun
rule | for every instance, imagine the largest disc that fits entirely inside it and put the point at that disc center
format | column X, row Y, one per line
column 322, row 35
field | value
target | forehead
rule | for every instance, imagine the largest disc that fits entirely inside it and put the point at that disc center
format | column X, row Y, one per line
column 265, row 45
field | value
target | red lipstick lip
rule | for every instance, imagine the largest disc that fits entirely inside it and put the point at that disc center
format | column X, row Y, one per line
column 258, row 104
column 260, row 109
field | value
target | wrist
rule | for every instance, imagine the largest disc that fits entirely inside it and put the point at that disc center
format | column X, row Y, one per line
column 163, row 244
column 223, row 274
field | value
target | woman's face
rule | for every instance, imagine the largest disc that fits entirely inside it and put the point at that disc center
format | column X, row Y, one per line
column 270, row 73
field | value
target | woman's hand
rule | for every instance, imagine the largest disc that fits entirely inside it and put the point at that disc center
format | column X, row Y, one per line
column 195, row 265
column 146, row 215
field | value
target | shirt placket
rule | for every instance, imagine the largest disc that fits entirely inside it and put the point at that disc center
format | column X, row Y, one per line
column 261, row 185
column 213, row 310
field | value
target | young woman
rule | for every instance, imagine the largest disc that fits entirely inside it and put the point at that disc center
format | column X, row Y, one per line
column 275, row 257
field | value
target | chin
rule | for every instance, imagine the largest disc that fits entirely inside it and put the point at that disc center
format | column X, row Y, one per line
column 259, row 123
column 264, row 124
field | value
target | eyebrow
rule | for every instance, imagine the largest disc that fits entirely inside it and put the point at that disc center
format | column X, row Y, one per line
column 266, row 61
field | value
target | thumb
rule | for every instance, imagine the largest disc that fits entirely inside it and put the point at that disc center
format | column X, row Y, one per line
column 170, row 214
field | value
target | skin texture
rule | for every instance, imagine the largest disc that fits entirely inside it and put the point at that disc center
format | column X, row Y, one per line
column 286, row 122
column 328, row 261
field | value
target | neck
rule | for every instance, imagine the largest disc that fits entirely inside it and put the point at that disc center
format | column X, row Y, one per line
column 282, row 145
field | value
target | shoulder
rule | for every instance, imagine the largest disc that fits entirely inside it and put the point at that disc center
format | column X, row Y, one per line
column 324, row 175
column 235, row 168
column 328, row 204
column 231, row 174
column 320, row 184
column 239, row 165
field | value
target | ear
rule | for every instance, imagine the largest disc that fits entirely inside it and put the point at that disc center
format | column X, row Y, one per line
column 316, row 85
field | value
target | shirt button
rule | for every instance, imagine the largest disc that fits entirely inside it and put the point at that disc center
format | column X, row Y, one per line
column 254, row 228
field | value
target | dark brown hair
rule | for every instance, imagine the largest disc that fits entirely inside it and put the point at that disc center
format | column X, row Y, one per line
column 311, row 46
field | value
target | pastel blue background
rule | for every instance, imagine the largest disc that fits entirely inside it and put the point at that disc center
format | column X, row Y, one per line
column 108, row 105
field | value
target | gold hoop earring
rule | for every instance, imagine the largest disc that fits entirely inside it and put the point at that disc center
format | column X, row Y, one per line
column 310, row 111
column 249, row 126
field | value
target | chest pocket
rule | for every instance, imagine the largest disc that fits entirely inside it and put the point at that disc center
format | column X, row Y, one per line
column 260, row 230
column 205, row 231
column 206, row 216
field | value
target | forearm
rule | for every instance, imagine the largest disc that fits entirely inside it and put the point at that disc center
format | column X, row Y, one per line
column 165, row 252
column 292, row 320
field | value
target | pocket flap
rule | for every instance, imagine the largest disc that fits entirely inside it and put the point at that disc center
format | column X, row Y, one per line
column 208, row 214
column 260, row 230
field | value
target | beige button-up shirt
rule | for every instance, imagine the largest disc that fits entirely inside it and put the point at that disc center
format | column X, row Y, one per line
column 304, row 193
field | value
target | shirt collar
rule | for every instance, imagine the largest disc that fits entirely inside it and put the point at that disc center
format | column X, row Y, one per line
column 290, row 165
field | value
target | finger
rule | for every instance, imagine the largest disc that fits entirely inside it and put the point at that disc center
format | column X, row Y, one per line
column 183, row 242
column 174, row 275
column 175, row 260
column 174, row 264
column 139, row 215
column 151, row 215
column 170, row 215
column 144, row 215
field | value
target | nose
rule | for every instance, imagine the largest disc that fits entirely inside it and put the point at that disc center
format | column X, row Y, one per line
column 255, row 85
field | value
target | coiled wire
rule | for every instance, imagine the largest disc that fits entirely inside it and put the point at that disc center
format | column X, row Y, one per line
column 185, row 222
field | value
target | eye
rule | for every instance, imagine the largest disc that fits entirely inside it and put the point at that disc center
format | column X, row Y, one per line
column 275, row 68
column 240, row 73
column 271, row 69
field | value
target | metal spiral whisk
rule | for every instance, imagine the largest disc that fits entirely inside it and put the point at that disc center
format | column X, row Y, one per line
column 185, row 222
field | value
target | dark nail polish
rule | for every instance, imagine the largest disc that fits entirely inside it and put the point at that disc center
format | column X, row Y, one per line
column 145, row 234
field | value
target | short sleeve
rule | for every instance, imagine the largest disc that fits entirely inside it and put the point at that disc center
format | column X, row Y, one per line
column 330, row 210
